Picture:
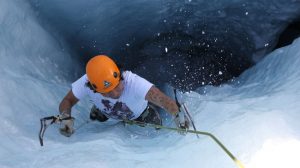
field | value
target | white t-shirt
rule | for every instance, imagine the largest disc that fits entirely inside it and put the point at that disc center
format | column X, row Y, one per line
column 131, row 103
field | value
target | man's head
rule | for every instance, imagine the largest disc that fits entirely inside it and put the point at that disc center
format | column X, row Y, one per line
column 104, row 76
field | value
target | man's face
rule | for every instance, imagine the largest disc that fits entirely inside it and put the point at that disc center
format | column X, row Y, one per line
column 116, row 92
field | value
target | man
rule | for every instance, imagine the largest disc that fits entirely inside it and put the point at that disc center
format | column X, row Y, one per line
column 121, row 96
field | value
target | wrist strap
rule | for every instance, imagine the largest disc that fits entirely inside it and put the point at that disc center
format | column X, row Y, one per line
column 178, row 104
column 66, row 113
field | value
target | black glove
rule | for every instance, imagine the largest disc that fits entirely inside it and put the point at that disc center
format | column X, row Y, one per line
column 66, row 124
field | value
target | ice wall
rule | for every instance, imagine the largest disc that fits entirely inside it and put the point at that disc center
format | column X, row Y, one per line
column 35, row 68
column 259, row 111
column 256, row 116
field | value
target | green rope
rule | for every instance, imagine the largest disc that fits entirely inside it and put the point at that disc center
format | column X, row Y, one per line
column 237, row 162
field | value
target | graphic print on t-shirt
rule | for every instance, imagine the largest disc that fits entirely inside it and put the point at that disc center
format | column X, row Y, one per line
column 118, row 110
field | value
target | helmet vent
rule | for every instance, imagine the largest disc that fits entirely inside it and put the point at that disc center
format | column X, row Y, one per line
column 115, row 74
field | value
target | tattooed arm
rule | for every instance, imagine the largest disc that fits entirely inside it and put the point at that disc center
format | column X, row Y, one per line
column 67, row 103
column 158, row 98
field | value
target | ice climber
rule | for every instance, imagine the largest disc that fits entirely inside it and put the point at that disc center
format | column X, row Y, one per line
column 117, row 95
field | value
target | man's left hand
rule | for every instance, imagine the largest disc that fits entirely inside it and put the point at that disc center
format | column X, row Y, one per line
column 181, row 121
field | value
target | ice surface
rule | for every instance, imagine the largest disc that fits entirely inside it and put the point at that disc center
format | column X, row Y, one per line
column 256, row 116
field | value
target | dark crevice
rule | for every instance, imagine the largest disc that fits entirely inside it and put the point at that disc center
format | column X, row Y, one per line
column 187, row 44
column 289, row 34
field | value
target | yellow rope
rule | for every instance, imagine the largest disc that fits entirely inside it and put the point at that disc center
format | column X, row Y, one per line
column 236, row 161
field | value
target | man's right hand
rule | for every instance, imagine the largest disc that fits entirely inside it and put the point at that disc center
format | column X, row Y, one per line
column 65, row 107
column 67, row 123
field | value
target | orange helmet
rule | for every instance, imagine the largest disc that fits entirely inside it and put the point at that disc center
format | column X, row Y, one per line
column 103, row 73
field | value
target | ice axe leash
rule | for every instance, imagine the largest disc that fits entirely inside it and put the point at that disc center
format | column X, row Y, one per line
column 46, row 121
column 236, row 161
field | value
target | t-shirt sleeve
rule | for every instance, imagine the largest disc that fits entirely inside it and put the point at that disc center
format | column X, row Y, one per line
column 142, row 86
column 78, row 87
